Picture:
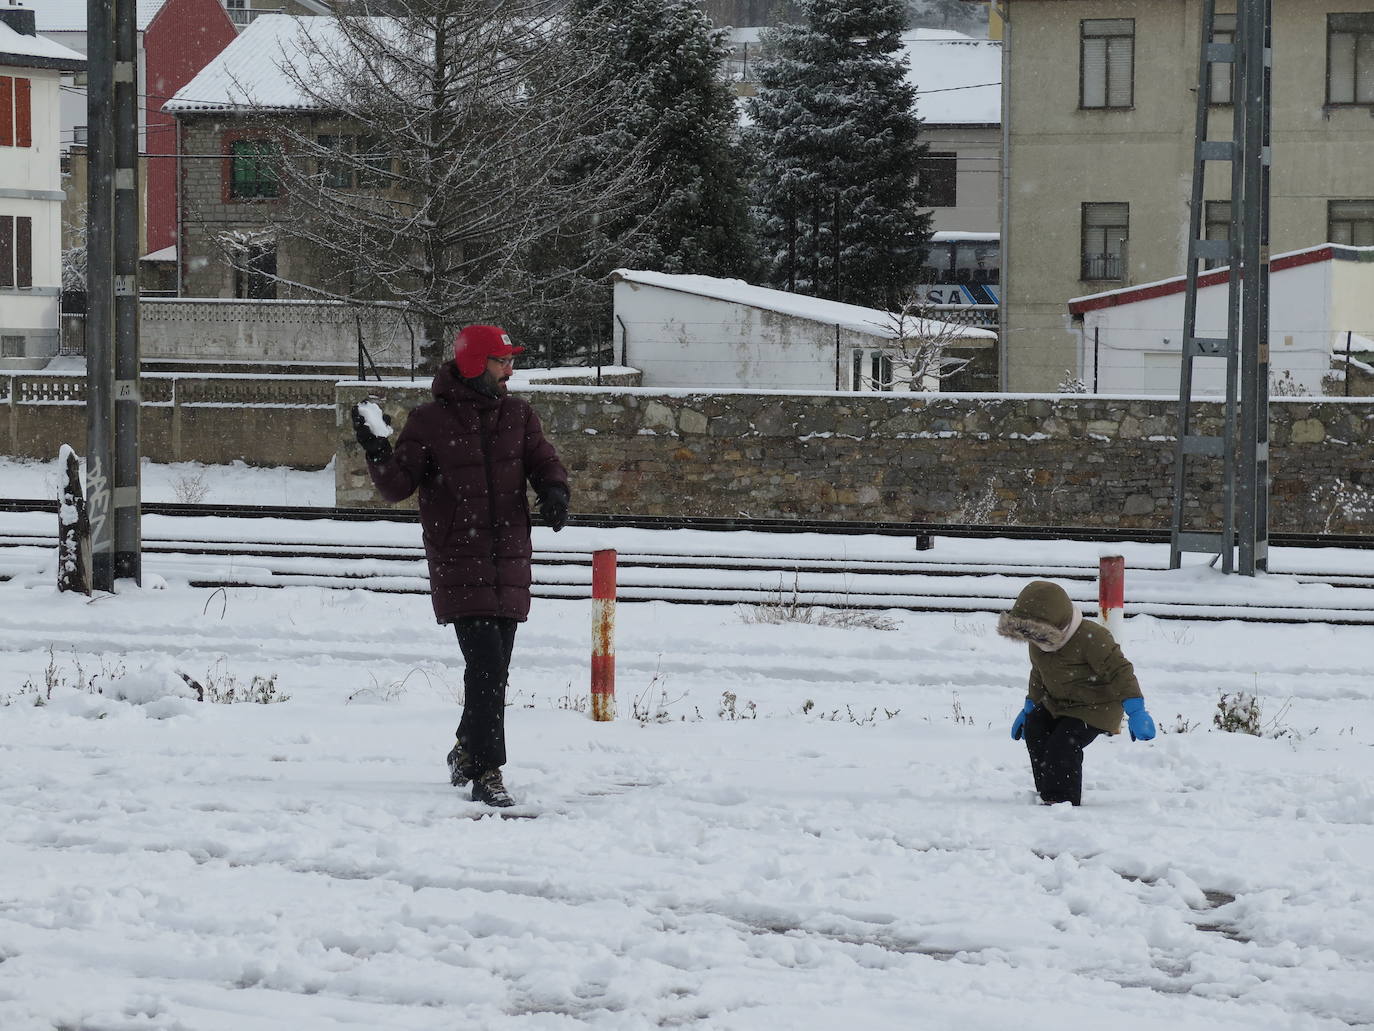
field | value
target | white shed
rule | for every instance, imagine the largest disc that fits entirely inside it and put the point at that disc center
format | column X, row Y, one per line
column 699, row 331
column 1321, row 305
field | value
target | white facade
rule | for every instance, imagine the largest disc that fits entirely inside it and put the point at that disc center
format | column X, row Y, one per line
column 30, row 201
column 1321, row 300
column 701, row 332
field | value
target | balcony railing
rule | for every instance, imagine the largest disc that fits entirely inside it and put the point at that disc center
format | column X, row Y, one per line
column 1104, row 266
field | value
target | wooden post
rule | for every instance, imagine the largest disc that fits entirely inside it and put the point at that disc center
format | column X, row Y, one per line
column 1111, row 592
column 603, row 635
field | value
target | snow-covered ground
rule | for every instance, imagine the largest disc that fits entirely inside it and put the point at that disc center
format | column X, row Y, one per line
column 789, row 826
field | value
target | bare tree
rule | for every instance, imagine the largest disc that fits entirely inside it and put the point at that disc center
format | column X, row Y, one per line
column 917, row 357
column 434, row 178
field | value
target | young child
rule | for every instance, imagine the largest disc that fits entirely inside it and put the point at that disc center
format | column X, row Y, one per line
column 1080, row 685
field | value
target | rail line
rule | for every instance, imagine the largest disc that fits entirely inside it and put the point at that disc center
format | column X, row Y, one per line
column 198, row 544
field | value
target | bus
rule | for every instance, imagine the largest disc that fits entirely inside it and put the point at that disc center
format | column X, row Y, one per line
column 961, row 268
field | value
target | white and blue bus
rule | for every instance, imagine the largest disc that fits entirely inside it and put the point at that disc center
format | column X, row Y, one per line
column 962, row 268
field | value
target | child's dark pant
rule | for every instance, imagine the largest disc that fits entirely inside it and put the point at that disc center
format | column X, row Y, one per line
column 1056, row 744
column 486, row 643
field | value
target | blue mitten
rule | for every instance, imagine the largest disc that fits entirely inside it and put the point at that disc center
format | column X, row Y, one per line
column 1138, row 721
column 1018, row 725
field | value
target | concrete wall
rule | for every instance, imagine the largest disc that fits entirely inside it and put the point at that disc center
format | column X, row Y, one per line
column 978, row 186
column 1062, row 156
column 1016, row 459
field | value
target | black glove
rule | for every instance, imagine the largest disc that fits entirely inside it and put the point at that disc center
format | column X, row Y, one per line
column 377, row 449
column 553, row 506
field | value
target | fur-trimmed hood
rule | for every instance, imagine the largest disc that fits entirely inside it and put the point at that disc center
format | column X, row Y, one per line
column 1043, row 615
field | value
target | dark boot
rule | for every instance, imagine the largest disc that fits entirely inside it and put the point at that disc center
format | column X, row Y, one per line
column 490, row 790
column 459, row 766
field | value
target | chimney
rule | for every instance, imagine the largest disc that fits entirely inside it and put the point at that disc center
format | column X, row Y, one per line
column 20, row 19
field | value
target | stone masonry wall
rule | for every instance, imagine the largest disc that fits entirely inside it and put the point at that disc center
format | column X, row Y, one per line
column 1022, row 460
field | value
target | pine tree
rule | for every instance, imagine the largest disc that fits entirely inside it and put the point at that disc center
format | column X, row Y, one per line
column 837, row 142
column 663, row 59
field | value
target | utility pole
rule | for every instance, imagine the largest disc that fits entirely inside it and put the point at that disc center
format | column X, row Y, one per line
column 112, row 352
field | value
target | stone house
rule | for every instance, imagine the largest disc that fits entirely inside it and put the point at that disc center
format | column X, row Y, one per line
column 1100, row 115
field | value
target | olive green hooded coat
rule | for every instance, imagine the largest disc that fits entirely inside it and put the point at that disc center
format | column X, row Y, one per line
column 1077, row 668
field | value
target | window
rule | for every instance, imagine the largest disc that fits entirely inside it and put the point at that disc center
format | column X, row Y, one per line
column 1106, row 232
column 1350, row 58
column 16, row 252
column 16, row 112
column 1350, row 222
column 253, row 169
column 362, row 162
column 1223, row 78
column 335, row 169
column 1107, row 63
column 255, row 273
column 1216, row 226
column 939, row 179
column 376, row 170
column 11, row 347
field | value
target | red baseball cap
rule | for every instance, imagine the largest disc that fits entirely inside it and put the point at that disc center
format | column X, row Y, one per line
column 475, row 344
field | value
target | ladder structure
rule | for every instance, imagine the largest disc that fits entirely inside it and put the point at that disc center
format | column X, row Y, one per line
column 1221, row 477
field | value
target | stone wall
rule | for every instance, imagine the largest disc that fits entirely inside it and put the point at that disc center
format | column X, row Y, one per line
column 1018, row 459
column 284, row 420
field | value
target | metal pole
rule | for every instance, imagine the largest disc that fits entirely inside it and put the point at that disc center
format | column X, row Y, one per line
column 128, row 561
column 1348, row 367
column 603, row 635
column 100, row 306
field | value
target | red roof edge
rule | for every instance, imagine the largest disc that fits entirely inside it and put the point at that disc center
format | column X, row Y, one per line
column 1096, row 302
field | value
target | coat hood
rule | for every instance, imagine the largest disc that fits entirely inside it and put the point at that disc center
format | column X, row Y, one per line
column 1043, row 615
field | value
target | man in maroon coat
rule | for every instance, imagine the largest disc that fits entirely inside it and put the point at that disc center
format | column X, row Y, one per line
column 469, row 453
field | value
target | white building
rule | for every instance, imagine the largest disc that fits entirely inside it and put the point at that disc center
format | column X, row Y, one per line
column 702, row 332
column 30, row 189
column 1321, row 307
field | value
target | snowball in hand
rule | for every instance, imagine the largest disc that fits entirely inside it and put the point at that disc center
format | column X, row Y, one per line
column 372, row 415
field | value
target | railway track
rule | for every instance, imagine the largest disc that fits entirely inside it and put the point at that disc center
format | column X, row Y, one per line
column 852, row 565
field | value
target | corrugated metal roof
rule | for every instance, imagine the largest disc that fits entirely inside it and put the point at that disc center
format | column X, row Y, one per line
column 258, row 70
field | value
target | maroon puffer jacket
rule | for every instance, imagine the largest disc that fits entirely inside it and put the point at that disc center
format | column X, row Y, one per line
column 469, row 456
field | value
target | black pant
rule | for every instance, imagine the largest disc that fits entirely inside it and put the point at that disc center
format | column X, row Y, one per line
column 1056, row 744
column 486, row 642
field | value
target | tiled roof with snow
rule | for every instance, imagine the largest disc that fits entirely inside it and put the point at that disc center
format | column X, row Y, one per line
column 70, row 15
column 255, row 71
column 872, row 321
column 35, row 51
column 958, row 79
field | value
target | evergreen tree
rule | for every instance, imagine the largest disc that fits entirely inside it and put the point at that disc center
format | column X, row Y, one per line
column 663, row 60
column 837, row 142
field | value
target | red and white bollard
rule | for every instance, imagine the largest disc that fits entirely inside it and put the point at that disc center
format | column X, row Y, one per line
column 1111, row 592
column 603, row 635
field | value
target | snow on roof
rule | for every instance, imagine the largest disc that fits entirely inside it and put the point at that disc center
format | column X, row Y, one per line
column 254, row 72
column 958, row 79
column 1215, row 277
column 19, row 50
column 168, row 253
column 70, row 15
column 872, row 321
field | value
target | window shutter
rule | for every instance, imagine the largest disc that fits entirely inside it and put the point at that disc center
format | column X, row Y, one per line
column 23, row 252
column 1120, row 71
column 1364, row 70
column 1094, row 73
column 1341, row 70
column 7, row 252
column 6, row 111
column 23, row 118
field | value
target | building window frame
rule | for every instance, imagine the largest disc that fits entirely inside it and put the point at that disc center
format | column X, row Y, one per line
column 1105, row 235
column 249, row 175
column 1223, row 72
column 1350, row 59
column 16, row 252
column 1350, row 222
column 939, row 176
column 1216, row 225
column 1108, row 44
